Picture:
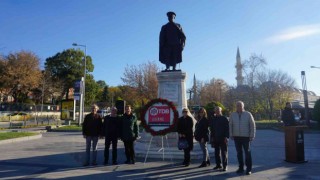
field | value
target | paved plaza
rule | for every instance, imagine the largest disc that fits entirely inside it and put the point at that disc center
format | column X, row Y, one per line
column 59, row 155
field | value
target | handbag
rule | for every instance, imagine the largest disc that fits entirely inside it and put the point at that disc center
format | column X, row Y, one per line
column 182, row 143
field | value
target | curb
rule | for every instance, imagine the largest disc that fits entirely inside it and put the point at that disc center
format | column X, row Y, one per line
column 55, row 130
column 21, row 139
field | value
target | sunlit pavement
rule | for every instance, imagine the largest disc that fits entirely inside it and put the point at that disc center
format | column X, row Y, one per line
column 59, row 155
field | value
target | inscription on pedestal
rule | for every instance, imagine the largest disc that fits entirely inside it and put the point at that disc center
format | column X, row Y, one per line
column 170, row 92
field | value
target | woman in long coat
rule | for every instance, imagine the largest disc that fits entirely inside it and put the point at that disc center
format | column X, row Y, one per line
column 185, row 130
column 201, row 135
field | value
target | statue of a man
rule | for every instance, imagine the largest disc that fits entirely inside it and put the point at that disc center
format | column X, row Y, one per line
column 172, row 41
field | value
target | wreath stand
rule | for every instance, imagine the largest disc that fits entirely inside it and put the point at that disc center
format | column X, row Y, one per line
column 161, row 149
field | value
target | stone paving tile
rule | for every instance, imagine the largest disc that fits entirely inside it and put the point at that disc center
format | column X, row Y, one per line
column 59, row 155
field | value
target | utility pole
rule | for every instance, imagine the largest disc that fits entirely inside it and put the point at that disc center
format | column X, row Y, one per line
column 305, row 96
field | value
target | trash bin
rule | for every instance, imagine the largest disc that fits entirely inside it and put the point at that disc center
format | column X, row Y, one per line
column 294, row 144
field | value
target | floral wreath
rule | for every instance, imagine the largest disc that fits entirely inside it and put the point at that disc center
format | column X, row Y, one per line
column 163, row 131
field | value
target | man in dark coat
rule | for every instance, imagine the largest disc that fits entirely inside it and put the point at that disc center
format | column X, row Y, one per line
column 219, row 128
column 172, row 41
column 111, row 131
column 91, row 131
column 287, row 115
column 130, row 132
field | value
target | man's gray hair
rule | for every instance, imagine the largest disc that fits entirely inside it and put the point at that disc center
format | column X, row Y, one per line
column 240, row 102
column 95, row 105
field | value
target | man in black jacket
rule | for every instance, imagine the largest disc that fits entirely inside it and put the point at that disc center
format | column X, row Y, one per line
column 287, row 115
column 91, row 131
column 219, row 138
column 111, row 131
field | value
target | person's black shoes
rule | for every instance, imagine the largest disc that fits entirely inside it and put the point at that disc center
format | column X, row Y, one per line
column 240, row 171
column 203, row 164
column 225, row 169
column 86, row 164
column 186, row 163
column 217, row 168
column 208, row 163
column 248, row 173
column 127, row 162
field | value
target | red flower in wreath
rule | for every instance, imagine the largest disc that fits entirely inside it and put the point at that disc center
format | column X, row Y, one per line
column 164, row 131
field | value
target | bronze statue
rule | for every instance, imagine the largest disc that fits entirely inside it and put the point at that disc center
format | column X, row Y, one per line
column 172, row 41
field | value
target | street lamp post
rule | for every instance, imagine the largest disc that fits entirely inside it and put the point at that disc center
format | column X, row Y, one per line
column 84, row 81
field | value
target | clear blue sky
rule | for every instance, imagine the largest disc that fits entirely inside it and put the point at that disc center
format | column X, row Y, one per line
column 118, row 33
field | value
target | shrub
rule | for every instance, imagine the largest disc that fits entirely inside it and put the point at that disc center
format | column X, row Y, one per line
column 210, row 107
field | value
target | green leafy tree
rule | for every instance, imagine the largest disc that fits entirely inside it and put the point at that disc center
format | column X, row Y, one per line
column 316, row 112
column 103, row 96
column 101, row 84
column 92, row 89
column 68, row 67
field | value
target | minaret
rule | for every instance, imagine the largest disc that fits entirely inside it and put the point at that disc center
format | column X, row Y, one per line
column 238, row 66
column 194, row 88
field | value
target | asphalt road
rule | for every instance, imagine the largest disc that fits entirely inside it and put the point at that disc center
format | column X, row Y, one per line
column 59, row 155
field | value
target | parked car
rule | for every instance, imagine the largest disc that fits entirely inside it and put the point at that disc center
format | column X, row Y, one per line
column 103, row 112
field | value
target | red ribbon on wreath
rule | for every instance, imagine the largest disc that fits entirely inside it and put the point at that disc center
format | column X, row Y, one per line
column 163, row 131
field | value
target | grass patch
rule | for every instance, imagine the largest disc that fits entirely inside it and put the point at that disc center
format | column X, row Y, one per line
column 11, row 135
column 69, row 128
column 268, row 124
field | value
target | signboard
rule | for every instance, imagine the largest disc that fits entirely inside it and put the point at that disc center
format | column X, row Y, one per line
column 159, row 117
column 78, row 87
column 67, row 109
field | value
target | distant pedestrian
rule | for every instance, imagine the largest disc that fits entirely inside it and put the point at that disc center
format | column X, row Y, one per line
column 111, row 131
column 219, row 128
column 242, row 129
column 91, row 130
column 201, row 135
column 185, row 130
column 287, row 115
column 129, row 134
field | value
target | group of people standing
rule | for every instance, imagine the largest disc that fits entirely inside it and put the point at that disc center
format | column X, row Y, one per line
column 112, row 128
column 217, row 130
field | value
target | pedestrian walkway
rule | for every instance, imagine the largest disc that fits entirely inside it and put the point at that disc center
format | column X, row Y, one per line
column 59, row 155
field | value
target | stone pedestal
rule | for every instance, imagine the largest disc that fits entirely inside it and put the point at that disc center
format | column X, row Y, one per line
column 171, row 86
